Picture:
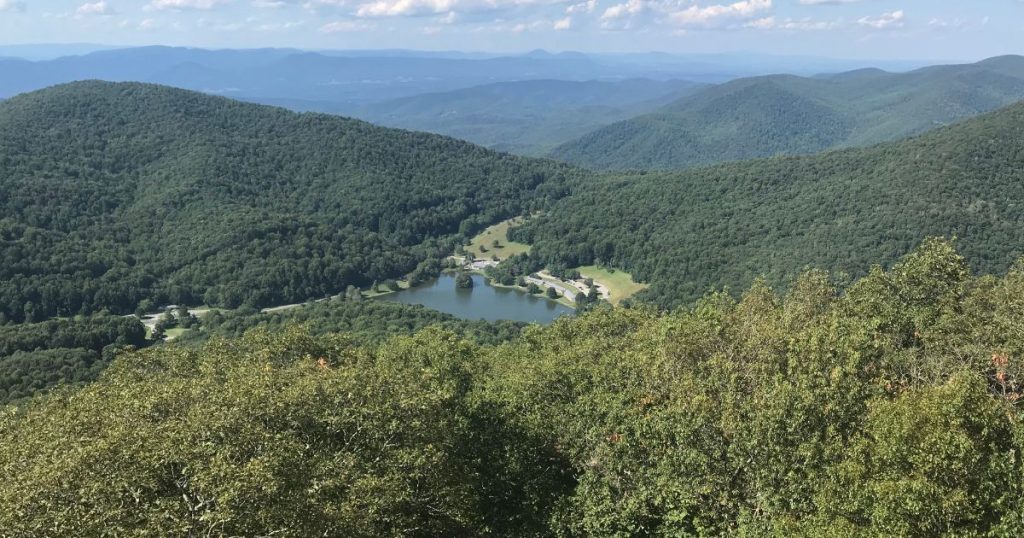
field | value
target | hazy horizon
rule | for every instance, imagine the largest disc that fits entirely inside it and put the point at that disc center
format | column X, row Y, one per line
column 843, row 29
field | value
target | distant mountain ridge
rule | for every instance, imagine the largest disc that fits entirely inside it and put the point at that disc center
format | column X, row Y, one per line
column 353, row 77
column 529, row 117
column 785, row 114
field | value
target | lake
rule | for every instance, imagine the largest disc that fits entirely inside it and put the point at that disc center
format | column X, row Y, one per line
column 482, row 302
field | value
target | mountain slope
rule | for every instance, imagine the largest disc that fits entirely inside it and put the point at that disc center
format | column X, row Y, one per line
column 781, row 114
column 114, row 193
column 689, row 231
column 526, row 117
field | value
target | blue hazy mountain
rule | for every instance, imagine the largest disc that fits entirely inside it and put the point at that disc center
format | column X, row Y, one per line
column 786, row 114
column 529, row 117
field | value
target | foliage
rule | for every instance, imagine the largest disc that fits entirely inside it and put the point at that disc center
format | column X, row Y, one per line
column 36, row 356
column 688, row 232
column 365, row 322
column 464, row 280
column 116, row 194
column 288, row 436
column 514, row 267
column 887, row 408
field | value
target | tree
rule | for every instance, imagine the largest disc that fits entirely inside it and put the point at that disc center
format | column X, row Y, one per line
column 346, row 441
column 552, row 293
column 464, row 281
column 185, row 318
column 144, row 307
column 533, row 288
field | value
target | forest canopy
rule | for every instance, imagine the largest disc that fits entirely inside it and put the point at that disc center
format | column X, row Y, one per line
column 115, row 194
column 890, row 407
column 691, row 231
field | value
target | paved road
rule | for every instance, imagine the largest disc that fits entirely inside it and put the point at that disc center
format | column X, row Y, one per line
column 562, row 290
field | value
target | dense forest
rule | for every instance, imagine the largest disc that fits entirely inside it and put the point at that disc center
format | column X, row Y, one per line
column 690, row 231
column 117, row 195
column 366, row 322
column 784, row 114
column 36, row 356
column 889, row 407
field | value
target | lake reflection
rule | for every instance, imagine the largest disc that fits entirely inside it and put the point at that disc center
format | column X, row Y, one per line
column 482, row 302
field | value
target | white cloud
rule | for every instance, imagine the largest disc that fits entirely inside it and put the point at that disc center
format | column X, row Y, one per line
column 805, row 24
column 563, row 24
column 99, row 7
column 12, row 5
column 182, row 5
column 399, row 8
column 692, row 15
column 148, row 24
column 697, row 16
column 583, row 7
column 950, row 24
column 619, row 11
column 885, row 21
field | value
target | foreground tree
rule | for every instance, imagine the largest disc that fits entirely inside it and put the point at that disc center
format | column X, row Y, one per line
column 890, row 408
column 284, row 436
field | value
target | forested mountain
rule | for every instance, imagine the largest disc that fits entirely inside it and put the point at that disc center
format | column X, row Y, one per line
column 785, row 114
column 116, row 193
column 525, row 117
column 690, row 231
column 887, row 408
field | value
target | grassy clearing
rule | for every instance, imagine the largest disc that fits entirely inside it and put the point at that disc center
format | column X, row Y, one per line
column 173, row 333
column 486, row 238
column 369, row 292
column 619, row 283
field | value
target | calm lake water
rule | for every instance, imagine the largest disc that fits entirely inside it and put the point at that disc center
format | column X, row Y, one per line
column 481, row 302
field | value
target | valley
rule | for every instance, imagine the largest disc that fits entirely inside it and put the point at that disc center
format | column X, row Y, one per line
column 408, row 293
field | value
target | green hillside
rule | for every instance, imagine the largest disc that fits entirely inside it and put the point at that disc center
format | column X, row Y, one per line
column 690, row 231
column 782, row 114
column 527, row 117
column 118, row 193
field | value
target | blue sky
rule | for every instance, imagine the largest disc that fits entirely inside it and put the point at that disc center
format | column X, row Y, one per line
column 885, row 29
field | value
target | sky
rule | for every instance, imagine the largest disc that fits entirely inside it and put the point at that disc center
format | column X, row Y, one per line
column 883, row 29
